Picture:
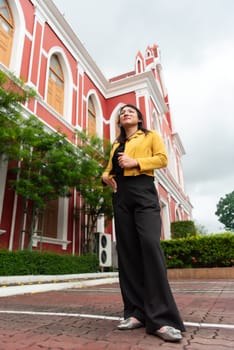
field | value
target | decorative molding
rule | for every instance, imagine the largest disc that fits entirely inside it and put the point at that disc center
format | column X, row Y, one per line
column 37, row 239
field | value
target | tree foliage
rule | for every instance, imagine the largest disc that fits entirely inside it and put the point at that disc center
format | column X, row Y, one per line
column 93, row 155
column 225, row 211
column 46, row 165
column 12, row 95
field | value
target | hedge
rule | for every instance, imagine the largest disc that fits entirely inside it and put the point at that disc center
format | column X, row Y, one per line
column 183, row 229
column 18, row 263
column 214, row 250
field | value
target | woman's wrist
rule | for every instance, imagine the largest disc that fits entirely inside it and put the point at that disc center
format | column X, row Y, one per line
column 137, row 164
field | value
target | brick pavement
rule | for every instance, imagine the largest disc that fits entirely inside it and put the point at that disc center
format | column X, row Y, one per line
column 86, row 318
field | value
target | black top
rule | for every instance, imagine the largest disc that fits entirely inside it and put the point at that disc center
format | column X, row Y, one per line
column 116, row 170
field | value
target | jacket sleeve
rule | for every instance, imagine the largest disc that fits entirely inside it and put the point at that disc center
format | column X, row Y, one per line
column 109, row 164
column 158, row 157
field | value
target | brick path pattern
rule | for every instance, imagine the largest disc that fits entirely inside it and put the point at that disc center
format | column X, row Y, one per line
column 210, row 303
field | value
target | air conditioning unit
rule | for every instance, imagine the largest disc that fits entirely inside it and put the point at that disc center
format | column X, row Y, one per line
column 105, row 252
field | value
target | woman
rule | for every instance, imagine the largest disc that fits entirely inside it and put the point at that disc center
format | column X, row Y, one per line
column 145, row 290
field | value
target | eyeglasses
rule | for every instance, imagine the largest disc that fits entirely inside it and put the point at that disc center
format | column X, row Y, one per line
column 127, row 111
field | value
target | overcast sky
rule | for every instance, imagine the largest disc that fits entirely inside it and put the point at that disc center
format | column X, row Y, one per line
column 196, row 39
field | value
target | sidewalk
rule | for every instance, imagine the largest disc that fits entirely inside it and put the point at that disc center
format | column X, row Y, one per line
column 15, row 285
column 82, row 314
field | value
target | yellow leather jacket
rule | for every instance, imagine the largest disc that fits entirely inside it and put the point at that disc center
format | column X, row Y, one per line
column 148, row 150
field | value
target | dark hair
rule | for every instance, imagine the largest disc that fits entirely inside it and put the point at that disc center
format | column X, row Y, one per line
column 121, row 138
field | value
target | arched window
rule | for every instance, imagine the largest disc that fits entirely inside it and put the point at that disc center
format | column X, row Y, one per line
column 148, row 54
column 139, row 66
column 91, row 117
column 114, row 128
column 117, row 128
column 55, row 96
column 156, row 123
column 6, row 32
column 177, row 215
column 165, row 215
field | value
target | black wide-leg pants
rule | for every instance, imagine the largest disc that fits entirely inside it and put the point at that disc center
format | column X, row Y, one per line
column 145, row 290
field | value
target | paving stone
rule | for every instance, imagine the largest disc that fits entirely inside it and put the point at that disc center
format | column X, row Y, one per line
column 210, row 303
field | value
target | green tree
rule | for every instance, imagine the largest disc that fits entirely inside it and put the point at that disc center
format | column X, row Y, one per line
column 12, row 94
column 46, row 165
column 93, row 155
column 47, row 168
column 225, row 211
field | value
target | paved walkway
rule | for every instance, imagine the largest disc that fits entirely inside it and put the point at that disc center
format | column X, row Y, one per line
column 83, row 314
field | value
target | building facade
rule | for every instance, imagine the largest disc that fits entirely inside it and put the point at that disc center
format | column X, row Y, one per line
column 39, row 46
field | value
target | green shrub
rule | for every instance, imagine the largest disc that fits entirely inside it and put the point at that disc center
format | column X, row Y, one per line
column 18, row 263
column 215, row 250
column 183, row 229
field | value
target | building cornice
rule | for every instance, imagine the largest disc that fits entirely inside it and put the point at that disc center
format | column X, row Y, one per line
column 140, row 81
column 61, row 27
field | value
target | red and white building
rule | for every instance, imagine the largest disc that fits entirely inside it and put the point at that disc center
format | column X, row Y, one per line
column 39, row 46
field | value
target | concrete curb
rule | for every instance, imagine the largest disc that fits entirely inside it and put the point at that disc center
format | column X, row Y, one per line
column 47, row 278
column 57, row 282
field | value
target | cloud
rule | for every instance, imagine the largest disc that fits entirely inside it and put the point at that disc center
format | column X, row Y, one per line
column 196, row 41
column 202, row 105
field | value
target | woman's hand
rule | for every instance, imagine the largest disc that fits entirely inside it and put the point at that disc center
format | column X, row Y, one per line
column 110, row 182
column 126, row 162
